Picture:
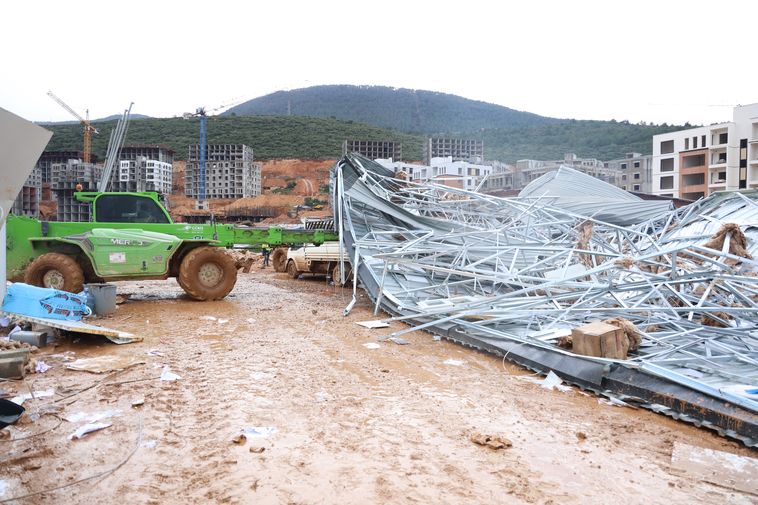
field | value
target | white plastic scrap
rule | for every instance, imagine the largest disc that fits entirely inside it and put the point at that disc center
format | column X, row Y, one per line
column 552, row 381
column 88, row 428
column 223, row 321
column 41, row 367
column 154, row 352
column 207, row 318
column 258, row 431
column 373, row 324
column 454, row 362
column 371, row 345
column 168, row 375
column 20, row 399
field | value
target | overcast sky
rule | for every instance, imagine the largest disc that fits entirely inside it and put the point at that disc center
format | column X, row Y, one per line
column 654, row 61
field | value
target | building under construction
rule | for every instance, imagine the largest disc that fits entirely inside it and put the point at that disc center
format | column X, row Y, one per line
column 68, row 178
column 143, row 168
column 458, row 149
column 374, row 149
column 230, row 172
column 27, row 201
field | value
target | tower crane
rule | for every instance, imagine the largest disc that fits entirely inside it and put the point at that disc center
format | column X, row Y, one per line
column 203, row 114
column 88, row 128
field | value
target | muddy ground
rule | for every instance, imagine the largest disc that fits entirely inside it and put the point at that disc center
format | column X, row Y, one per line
column 353, row 424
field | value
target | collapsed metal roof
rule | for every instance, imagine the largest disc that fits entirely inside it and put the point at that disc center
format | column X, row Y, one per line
column 513, row 276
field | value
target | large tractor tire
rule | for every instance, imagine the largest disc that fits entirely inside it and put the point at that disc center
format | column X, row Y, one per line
column 279, row 259
column 336, row 274
column 207, row 273
column 292, row 270
column 55, row 270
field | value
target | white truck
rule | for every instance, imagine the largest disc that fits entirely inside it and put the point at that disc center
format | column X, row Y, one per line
column 322, row 259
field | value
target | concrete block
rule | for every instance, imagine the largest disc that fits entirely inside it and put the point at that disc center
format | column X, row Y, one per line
column 12, row 363
column 38, row 338
column 601, row 340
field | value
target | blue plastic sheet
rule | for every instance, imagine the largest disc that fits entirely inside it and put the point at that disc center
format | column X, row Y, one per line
column 45, row 302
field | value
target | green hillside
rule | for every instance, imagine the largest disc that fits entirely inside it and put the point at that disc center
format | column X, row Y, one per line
column 604, row 140
column 312, row 138
column 270, row 137
column 406, row 110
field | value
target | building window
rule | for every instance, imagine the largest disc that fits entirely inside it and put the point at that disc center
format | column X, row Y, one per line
column 623, row 187
column 686, row 143
column 636, row 164
column 723, row 138
column 667, row 165
column 623, row 166
column 636, row 187
column 667, row 147
column 697, row 160
column 694, row 142
column 623, row 177
column 703, row 140
column 637, row 176
column 667, row 182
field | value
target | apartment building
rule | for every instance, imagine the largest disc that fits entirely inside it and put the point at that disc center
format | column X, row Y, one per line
column 374, row 149
column 457, row 149
column 230, row 172
column 143, row 168
column 633, row 172
column 694, row 163
column 444, row 170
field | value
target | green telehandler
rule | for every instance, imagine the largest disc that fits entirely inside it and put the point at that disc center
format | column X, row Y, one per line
column 131, row 236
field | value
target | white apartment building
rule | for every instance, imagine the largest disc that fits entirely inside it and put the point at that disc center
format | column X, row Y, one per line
column 144, row 174
column 694, row 163
column 456, row 174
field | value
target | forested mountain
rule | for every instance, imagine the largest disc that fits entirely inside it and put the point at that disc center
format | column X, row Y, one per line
column 321, row 117
column 406, row 110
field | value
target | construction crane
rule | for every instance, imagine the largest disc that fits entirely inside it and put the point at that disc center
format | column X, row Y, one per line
column 88, row 128
column 201, row 158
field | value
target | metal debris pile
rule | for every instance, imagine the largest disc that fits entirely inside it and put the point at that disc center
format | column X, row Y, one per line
column 515, row 276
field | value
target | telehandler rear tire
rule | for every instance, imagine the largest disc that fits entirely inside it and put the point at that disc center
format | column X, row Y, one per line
column 207, row 273
column 55, row 270
column 279, row 259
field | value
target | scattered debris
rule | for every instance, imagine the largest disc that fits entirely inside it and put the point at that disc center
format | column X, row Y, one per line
column 373, row 324
column 257, row 449
column 552, row 381
column 103, row 364
column 88, row 428
column 239, row 439
column 20, row 399
column 581, row 436
column 493, row 441
column 259, row 431
column 168, row 376
column 371, row 345
column 454, row 362
column 138, row 402
column 398, row 340
column 614, row 402
column 41, row 367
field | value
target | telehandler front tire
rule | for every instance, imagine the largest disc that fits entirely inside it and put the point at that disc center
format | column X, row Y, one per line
column 207, row 273
column 55, row 270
